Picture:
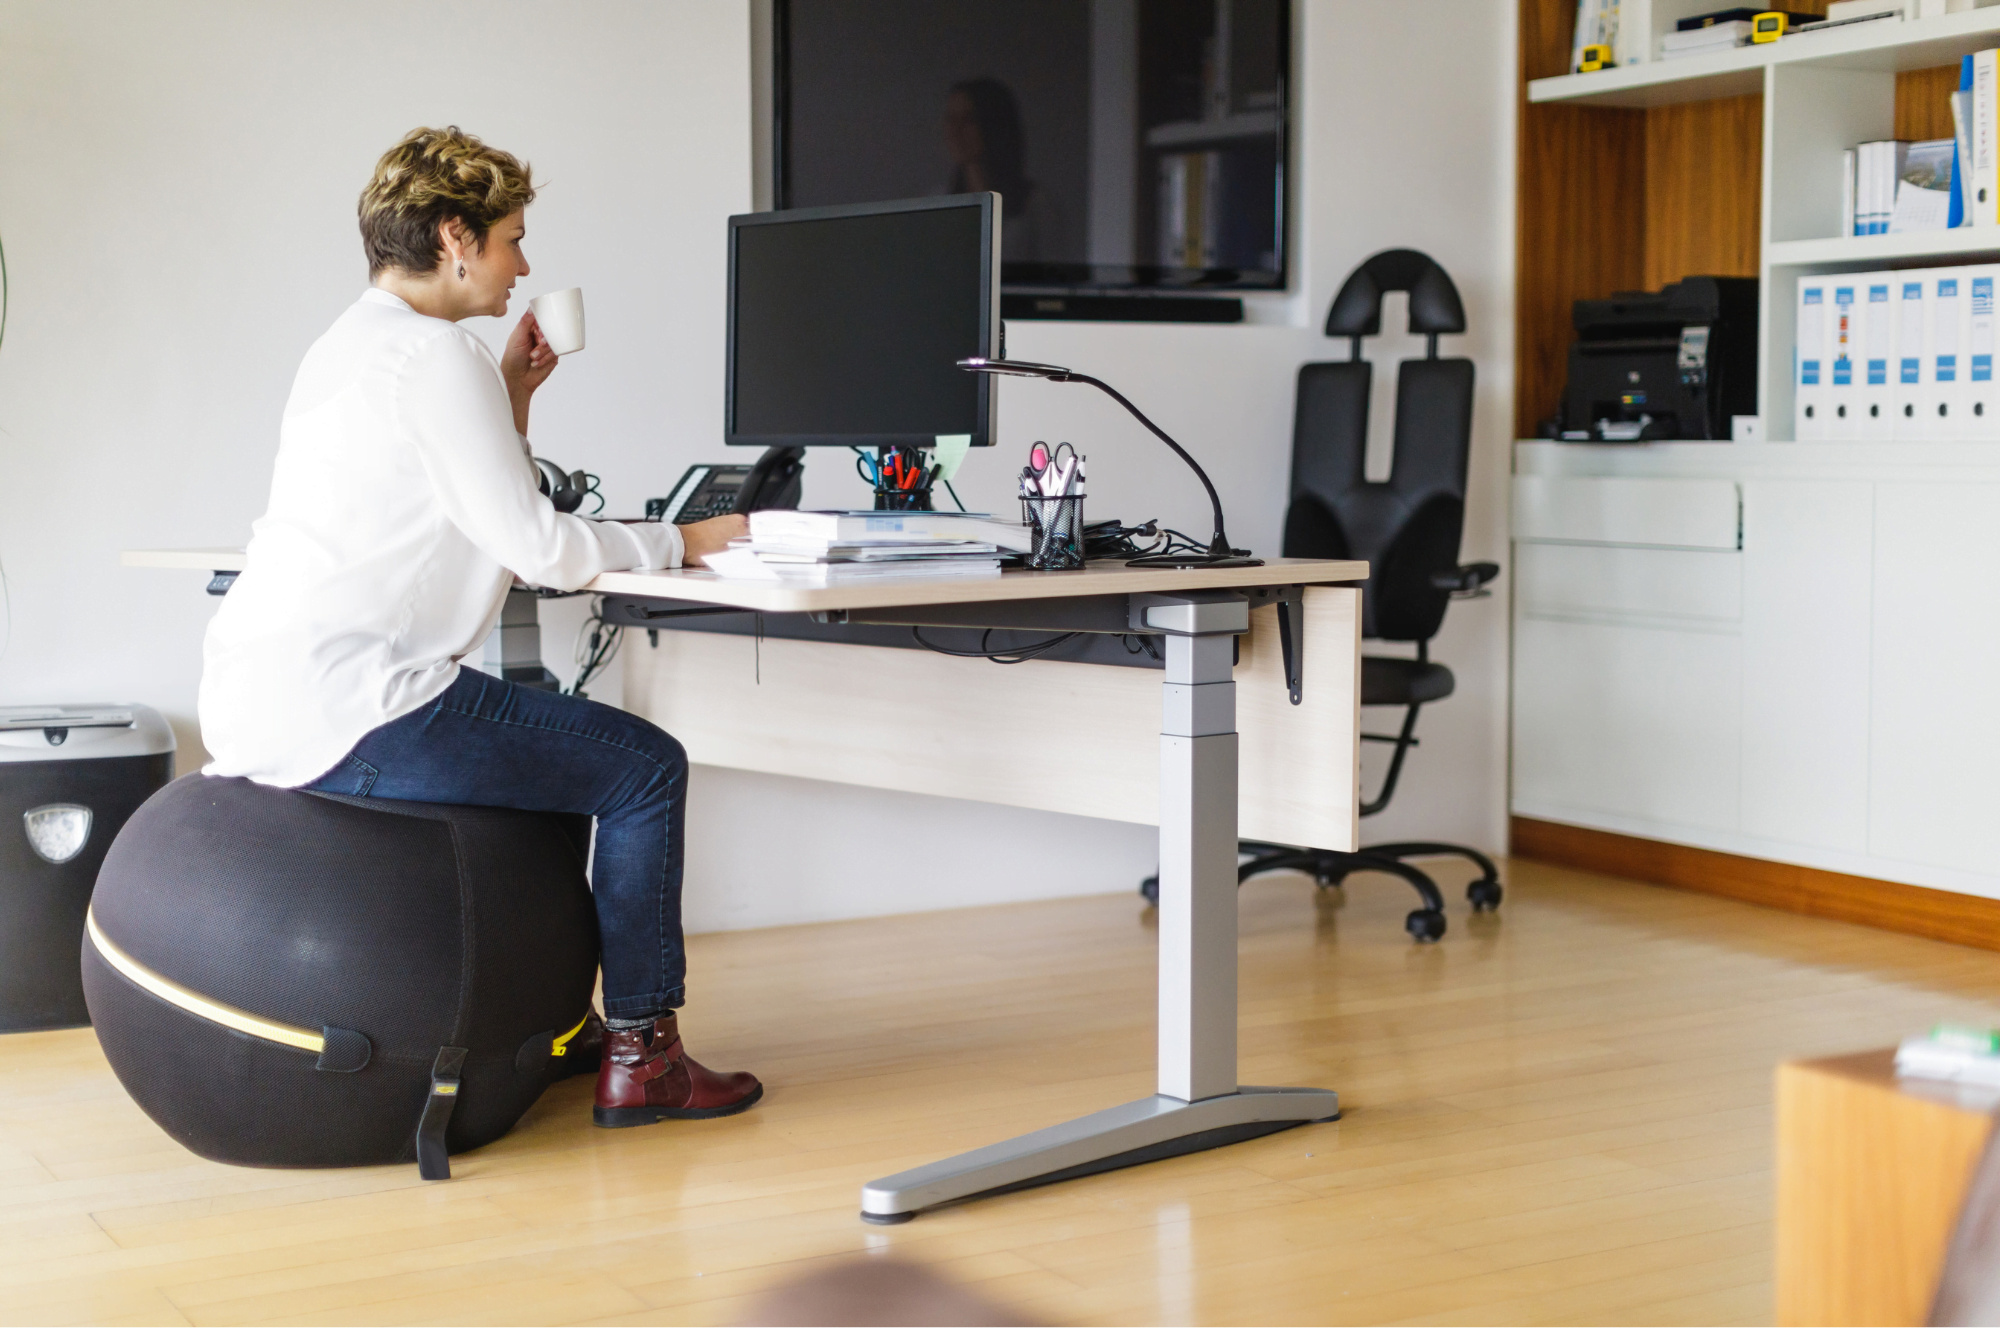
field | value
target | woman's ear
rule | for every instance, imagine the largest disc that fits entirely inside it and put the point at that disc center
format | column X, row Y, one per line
column 452, row 239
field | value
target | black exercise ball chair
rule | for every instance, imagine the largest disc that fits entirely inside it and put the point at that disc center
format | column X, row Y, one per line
column 289, row 979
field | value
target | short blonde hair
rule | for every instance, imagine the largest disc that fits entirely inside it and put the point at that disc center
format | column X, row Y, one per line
column 434, row 176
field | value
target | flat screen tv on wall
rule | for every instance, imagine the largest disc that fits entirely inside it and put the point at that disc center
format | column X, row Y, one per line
column 1138, row 146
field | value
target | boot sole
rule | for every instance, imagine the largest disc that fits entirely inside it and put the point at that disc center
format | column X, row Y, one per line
column 619, row 1118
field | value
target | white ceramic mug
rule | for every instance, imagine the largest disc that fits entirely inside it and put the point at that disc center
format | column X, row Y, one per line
column 560, row 314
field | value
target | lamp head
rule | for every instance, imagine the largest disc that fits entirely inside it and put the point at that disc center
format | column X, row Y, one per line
column 1018, row 368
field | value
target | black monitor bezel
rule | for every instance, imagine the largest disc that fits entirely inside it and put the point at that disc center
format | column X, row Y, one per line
column 986, row 434
column 1081, row 278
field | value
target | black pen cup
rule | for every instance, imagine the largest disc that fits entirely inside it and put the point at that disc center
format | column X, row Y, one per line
column 1055, row 525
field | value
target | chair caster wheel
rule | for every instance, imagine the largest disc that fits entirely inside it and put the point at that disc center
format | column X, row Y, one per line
column 1484, row 895
column 1149, row 889
column 1425, row 925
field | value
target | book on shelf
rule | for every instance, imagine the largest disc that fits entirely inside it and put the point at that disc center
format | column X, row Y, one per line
column 1702, row 41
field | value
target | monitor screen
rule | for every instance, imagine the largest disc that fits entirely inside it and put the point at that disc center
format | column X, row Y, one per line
column 846, row 324
column 1134, row 143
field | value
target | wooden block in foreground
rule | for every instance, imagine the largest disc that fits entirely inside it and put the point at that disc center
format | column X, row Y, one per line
column 1872, row 1172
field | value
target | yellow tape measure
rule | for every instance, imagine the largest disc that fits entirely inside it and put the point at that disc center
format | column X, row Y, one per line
column 1594, row 58
column 1767, row 27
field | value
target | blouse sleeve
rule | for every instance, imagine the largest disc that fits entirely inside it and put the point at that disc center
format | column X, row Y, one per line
column 454, row 407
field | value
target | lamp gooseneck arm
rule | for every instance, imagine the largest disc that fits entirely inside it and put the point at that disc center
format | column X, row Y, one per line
column 1219, row 546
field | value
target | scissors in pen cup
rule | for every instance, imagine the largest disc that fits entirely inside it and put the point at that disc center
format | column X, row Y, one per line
column 1051, row 474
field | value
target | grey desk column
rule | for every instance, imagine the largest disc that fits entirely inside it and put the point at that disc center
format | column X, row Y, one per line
column 1198, row 869
column 1199, row 1104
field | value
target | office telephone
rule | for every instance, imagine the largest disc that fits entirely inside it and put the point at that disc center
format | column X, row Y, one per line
column 710, row 491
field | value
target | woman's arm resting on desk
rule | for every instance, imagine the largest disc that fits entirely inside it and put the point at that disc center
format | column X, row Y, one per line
column 527, row 364
column 460, row 422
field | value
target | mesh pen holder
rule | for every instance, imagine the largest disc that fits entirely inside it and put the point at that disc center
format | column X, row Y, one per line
column 1056, row 527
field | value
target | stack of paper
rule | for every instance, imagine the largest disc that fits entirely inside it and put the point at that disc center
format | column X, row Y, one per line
column 1702, row 41
column 1952, row 1052
column 831, row 548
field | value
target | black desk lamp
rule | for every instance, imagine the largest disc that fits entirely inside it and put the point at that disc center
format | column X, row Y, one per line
column 1219, row 553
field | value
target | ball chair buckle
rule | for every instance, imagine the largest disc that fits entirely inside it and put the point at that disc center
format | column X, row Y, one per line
column 433, row 1162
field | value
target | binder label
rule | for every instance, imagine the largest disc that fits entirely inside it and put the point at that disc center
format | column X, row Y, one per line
column 1944, row 330
column 1910, row 334
column 1982, row 330
column 1878, row 335
column 1843, row 336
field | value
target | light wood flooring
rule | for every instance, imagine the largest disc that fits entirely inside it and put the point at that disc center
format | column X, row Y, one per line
column 1562, row 1114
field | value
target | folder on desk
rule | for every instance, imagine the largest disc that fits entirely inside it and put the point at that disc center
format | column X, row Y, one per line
column 1911, row 356
column 1809, row 399
column 1875, row 417
column 1944, row 381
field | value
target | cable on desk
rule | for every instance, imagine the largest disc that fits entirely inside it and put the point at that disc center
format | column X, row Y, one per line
column 1014, row 655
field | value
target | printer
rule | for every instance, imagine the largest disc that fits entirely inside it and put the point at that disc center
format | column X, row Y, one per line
column 1672, row 364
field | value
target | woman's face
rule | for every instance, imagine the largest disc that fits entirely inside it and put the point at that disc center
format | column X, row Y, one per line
column 962, row 139
column 490, row 273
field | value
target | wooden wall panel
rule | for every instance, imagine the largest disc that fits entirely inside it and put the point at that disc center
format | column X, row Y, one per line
column 1613, row 200
column 1581, row 184
column 1923, row 102
column 1704, row 163
column 1941, row 915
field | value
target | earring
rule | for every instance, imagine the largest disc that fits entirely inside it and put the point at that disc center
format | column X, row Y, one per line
column 461, row 269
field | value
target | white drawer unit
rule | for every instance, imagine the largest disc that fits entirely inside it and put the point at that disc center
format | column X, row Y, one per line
column 1649, row 513
column 1789, row 663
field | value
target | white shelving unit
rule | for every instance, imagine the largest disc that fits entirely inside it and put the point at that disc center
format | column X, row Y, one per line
column 1823, row 93
column 1880, row 48
column 1799, row 696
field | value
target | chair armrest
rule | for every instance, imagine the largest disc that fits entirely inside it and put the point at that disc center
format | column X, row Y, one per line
column 1466, row 582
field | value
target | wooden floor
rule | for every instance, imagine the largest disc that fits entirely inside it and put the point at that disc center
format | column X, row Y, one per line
column 1561, row 1114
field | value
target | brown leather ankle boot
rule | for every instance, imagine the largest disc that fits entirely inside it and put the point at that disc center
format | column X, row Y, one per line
column 645, row 1078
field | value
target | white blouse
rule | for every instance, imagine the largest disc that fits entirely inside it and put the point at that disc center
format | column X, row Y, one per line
column 403, row 504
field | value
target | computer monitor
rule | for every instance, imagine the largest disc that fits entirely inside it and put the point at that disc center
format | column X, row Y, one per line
column 846, row 324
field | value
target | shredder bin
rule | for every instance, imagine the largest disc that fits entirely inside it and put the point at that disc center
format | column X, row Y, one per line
column 69, row 778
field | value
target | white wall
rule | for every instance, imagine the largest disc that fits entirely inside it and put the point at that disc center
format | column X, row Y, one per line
column 177, row 209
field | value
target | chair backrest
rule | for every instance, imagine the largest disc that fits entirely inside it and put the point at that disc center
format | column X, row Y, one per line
column 1408, row 527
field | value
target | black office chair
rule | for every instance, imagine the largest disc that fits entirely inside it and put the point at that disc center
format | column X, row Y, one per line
column 1408, row 531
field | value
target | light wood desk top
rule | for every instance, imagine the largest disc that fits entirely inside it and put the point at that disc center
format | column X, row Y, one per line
column 777, row 597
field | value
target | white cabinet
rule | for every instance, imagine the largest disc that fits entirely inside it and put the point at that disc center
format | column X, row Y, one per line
column 1627, row 650
column 1934, row 773
column 1807, row 596
column 1635, row 721
column 1828, row 695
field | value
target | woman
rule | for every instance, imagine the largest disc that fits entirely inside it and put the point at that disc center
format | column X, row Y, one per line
column 403, row 505
column 988, row 151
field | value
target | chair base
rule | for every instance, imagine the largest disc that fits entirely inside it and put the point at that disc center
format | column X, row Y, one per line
column 1330, row 867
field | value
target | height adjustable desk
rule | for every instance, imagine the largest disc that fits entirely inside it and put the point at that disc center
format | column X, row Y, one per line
column 1198, row 614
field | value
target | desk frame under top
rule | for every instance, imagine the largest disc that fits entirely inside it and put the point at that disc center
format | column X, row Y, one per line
column 1199, row 613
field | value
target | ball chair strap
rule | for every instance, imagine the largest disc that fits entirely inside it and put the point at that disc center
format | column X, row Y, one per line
column 560, row 1047
column 340, row 1050
column 433, row 1162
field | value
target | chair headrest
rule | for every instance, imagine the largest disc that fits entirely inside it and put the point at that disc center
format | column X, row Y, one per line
column 1434, row 306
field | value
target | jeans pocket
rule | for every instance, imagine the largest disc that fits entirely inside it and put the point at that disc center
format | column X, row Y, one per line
column 354, row 777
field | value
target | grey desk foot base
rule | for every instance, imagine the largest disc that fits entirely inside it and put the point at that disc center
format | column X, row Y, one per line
column 1144, row 1131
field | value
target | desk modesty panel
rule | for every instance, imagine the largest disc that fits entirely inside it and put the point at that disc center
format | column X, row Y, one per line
column 1046, row 734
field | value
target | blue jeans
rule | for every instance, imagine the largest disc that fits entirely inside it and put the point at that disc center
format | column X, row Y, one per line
column 491, row 743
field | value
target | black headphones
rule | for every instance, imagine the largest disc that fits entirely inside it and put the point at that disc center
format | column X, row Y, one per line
column 566, row 490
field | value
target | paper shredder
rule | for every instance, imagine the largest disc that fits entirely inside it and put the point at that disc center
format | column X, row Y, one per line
column 69, row 778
